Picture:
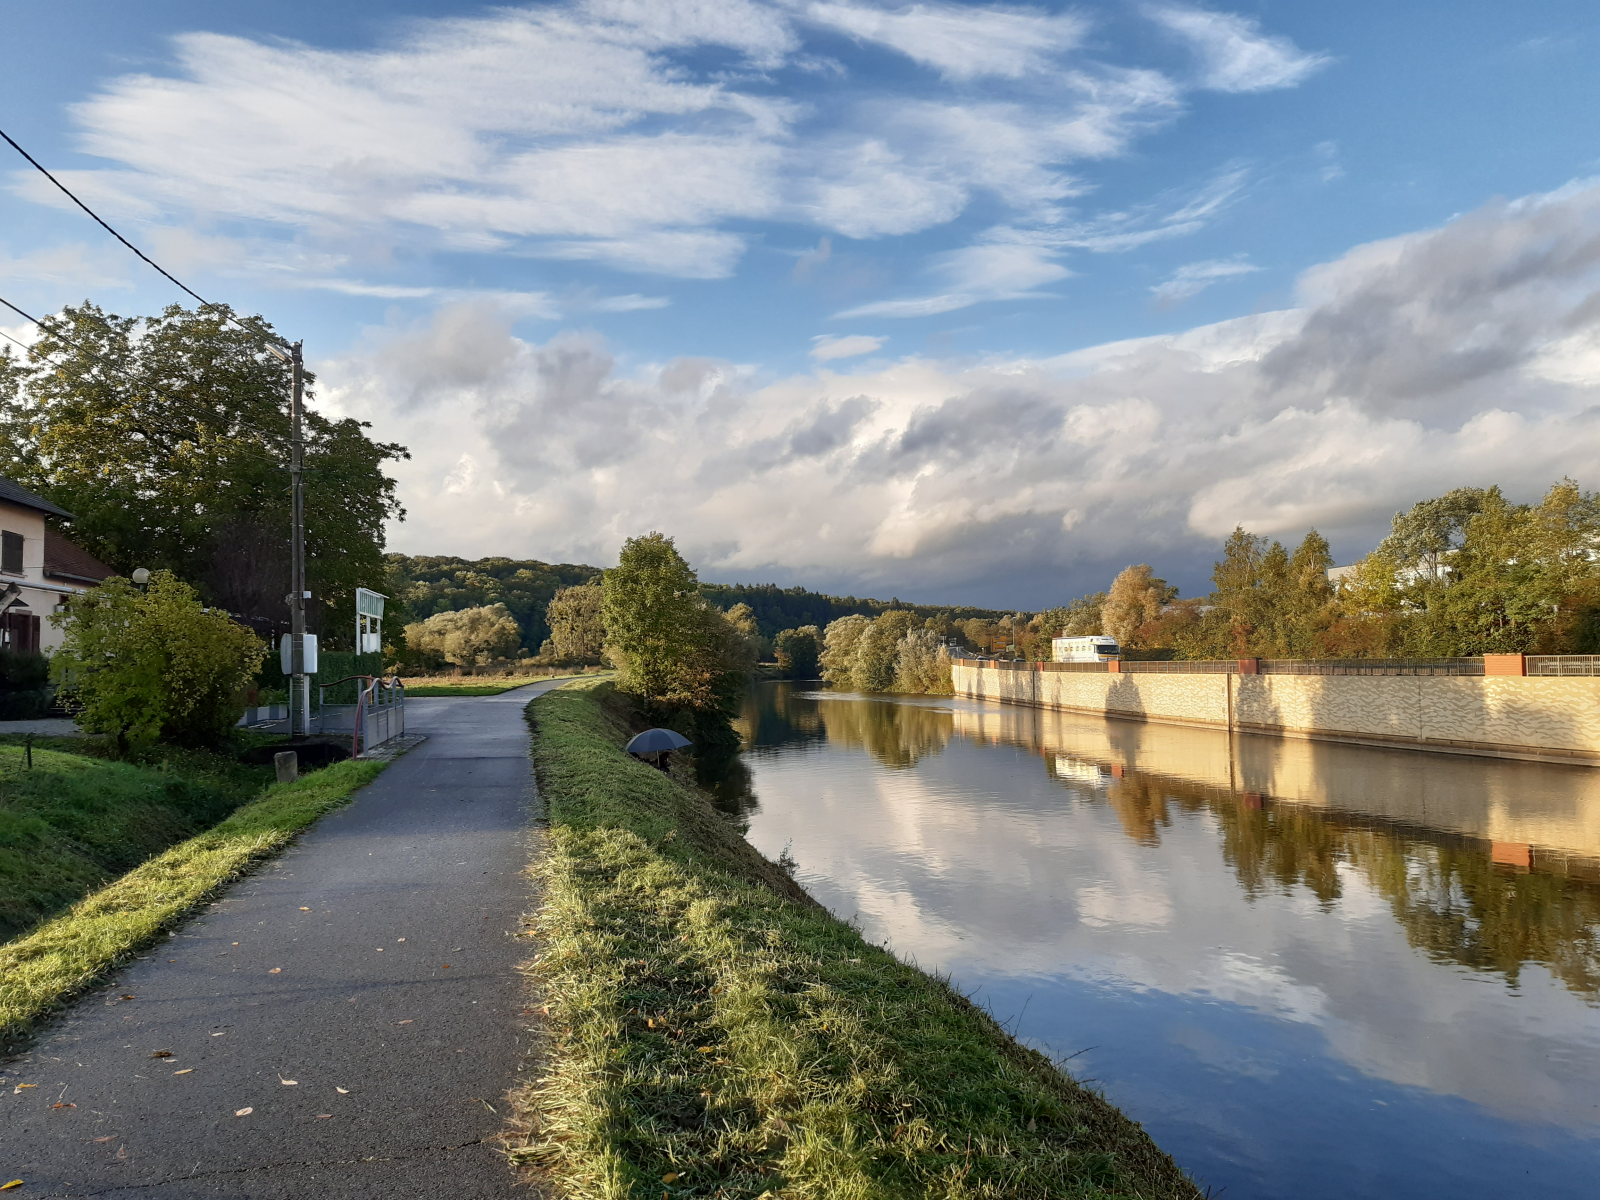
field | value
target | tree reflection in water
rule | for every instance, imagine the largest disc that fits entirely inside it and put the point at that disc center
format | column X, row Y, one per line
column 1453, row 902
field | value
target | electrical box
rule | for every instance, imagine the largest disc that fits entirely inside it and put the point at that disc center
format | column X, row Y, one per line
column 286, row 654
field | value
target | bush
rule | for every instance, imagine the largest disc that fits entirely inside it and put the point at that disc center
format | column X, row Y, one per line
column 469, row 637
column 154, row 665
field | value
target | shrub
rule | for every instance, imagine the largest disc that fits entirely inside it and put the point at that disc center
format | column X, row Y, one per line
column 154, row 664
column 468, row 637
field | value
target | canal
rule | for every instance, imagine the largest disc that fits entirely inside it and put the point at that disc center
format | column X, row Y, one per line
column 1309, row 970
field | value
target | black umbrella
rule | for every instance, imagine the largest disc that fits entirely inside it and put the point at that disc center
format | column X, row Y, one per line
column 652, row 741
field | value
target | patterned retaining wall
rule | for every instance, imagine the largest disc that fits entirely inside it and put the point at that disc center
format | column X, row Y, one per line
column 1542, row 719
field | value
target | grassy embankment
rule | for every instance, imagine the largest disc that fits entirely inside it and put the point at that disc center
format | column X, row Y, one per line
column 719, row 1034
column 74, row 821
column 474, row 685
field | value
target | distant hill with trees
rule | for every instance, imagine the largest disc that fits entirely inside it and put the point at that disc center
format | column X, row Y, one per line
column 422, row 586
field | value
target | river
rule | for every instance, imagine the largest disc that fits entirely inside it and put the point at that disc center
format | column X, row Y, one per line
column 1309, row 970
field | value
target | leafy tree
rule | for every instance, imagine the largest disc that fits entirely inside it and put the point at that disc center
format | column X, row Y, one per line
column 577, row 633
column 839, row 643
column 1423, row 539
column 168, row 437
column 1135, row 601
column 922, row 664
column 472, row 637
column 673, row 650
column 153, row 664
column 425, row 585
column 798, row 651
column 878, row 650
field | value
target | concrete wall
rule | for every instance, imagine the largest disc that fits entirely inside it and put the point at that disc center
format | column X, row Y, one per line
column 1543, row 719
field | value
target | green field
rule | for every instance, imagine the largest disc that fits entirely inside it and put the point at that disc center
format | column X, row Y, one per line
column 716, row 1033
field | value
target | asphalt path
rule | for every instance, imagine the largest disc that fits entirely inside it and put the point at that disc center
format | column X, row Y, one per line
column 344, row 1023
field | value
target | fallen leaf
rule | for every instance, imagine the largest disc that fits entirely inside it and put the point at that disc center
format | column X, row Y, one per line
column 124, row 997
column 110, row 1137
column 62, row 1104
column 380, row 949
column 122, row 1152
column 407, row 1021
column 705, row 1050
column 236, row 943
column 6, row 1187
column 324, row 1116
column 243, row 1112
column 161, row 1054
column 342, row 1091
column 185, row 1071
column 17, row 1090
column 288, row 1082
column 399, row 939
column 171, row 960
column 446, row 966
column 303, row 908
column 275, row 970
column 669, row 1177
column 218, row 1034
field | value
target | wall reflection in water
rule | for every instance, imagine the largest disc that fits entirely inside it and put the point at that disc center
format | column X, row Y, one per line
column 1296, row 961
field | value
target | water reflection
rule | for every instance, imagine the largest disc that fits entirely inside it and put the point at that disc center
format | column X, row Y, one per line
column 1259, row 936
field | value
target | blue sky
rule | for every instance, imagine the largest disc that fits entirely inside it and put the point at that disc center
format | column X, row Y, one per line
column 972, row 303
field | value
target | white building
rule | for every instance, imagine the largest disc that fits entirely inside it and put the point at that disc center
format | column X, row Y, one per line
column 39, row 570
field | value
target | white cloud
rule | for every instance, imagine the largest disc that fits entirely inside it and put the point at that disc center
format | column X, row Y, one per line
column 826, row 349
column 1194, row 278
column 71, row 264
column 961, row 43
column 1235, row 56
column 1463, row 354
column 610, row 131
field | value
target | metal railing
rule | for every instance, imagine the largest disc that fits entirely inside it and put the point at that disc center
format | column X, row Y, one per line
column 1563, row 664
column 1286, row 666
column 1371, row 666
column 378, row 714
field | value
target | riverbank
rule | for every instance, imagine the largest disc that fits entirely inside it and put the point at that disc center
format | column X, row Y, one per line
column 717, row 1032
column 61, row 957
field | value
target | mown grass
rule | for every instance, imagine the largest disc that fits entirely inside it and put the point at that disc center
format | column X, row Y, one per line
column 475, row 685
column 61, row 957
column 75, row 820
column 716, row 1033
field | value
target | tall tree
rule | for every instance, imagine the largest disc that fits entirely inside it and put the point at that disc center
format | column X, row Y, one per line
column 1135, row 600
column 577, row 632
column 168, row 437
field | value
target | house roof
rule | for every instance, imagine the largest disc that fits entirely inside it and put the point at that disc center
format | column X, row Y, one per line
column 18, row 494
column 64, row 560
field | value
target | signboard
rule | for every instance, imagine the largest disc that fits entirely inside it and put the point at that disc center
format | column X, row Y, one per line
column 369, row 621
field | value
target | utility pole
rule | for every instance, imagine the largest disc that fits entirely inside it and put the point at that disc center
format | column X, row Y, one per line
column 296, row 665
column 300, row 685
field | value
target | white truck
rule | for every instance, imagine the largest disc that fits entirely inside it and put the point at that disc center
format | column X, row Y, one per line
column 1094, row 648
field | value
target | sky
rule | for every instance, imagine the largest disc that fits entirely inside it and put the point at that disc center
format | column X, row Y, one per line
column 963, row 303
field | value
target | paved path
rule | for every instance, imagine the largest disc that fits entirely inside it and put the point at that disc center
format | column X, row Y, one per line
column 395, row 1060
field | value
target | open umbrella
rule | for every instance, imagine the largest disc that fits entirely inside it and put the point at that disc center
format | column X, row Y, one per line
column 652, row 741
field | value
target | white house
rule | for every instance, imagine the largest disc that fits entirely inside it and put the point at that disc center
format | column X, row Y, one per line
column 39, row 570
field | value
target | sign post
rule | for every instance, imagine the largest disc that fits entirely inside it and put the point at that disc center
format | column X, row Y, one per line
column 369, row 621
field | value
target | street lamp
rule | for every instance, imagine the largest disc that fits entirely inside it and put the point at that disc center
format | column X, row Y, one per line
column 141, row 576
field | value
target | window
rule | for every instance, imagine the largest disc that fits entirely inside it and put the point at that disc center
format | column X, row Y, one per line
column 11, row 552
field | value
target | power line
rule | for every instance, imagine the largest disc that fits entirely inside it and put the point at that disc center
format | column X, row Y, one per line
column 67, row 192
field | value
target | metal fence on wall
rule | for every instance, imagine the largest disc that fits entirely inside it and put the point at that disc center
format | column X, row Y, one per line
column 1283, row 666
column 1563, row 664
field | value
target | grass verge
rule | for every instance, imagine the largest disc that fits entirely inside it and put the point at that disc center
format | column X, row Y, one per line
column 74, row 820
column 717, row 1033
column 476, row 685
column 61, row 957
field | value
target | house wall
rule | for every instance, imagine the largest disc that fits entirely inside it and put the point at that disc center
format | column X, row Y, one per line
column 1542, row 719
column 40, row 595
